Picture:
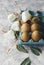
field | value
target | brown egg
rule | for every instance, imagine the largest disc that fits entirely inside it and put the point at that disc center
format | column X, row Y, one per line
column 22, row 22
column 25, row 27
column 35, row 26
column 36, row 35
column 25, row 36
column 35, row 20
column 29, row 22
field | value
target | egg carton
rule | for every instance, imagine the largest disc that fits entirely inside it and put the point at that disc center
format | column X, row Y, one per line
column 40, row 14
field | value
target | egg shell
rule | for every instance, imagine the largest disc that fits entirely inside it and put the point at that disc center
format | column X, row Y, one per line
column 25, row 27
column 35, row 20
column 36, row 36
column 35, row 26
column 26, row 16
column 22, row 22
column 25, row 36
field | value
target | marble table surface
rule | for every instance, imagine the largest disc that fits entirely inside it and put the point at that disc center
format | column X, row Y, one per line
column 9, row 55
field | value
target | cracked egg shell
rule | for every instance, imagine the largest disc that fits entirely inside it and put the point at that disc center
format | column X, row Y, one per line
column 25, row 27
column 25, row 36
column 36, row 36
column 35, row 26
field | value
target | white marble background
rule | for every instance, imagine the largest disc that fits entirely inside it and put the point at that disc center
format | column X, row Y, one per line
column 7, row 43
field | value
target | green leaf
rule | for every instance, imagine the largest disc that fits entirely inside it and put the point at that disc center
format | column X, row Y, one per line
column 27, row 61
column 21, row 48
column 16, row 33
column 36, row 51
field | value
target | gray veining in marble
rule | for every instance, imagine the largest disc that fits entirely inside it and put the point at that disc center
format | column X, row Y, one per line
column 14, row 57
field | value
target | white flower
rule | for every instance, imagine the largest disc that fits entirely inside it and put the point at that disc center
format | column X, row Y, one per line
column 15, row 26
column 26, row 16
column 11, row 17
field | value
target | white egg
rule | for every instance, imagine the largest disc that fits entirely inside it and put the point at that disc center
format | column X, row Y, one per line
column 11, row 17
column 26, row 16
column 15, row 26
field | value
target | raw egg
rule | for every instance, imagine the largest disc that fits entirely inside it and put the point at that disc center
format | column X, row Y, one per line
column 22, row 22
column 25, row 36
column 36, row 35
column 35, row 20
column 35, row 26
column 25, row 27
